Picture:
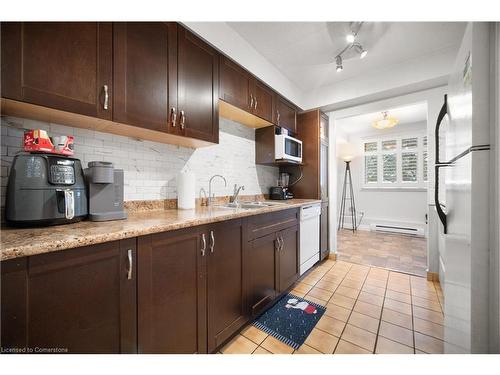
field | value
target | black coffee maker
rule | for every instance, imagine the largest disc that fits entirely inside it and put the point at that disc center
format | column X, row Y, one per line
column 45, row 189
column 281, row 191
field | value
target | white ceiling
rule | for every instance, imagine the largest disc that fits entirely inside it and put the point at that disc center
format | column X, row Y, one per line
column 356, row 125
column 305, row 51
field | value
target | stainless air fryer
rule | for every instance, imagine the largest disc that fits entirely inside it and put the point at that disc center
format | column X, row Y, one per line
column 45, row 189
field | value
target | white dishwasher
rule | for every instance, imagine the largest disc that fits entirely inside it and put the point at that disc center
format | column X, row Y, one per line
column 309, row 236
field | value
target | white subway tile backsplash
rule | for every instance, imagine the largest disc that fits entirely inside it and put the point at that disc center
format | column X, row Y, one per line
column 150, row 168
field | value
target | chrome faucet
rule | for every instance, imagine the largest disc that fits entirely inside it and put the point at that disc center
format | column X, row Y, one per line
column 234, row 198
column 209, row 202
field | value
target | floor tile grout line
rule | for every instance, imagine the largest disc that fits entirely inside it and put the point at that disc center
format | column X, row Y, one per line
column 381, row 312
column 412, row 320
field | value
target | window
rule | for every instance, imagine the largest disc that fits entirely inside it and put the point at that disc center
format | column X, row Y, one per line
column 389, row 168
column 409, row 166
column 396, row 161
column 371, row 169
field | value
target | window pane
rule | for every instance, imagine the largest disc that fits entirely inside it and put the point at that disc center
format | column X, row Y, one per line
column 425, row 165
column 389, row 145
column 409, row 166
column 370, row 146
column 389, row 167
column 408, row 143
column 371, row 168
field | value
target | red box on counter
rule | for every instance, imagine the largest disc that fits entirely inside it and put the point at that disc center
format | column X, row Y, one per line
column 38, row 140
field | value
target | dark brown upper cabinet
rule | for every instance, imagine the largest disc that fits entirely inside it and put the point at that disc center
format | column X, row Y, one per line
column 285, row 114
column 144, row 69
column 61, row 65
column 261, row 100
column 81, row 300
column 234, row 84
column 172, row 289
column 226, row 299
column 197, row 88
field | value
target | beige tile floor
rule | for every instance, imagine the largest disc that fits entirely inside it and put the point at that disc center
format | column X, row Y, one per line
column 392, row 251
column 368, row 310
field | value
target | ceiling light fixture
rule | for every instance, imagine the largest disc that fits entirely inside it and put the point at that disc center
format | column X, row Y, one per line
column 385, row 122
column 351, row 37
column 338, row 61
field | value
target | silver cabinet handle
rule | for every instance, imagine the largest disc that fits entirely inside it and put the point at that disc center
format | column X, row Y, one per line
column 255, row 106
column 183, row 119
column 278, row 117
column 203, row 239
column 279, row 243
column 173, row 116
column 251, row 101
column 106, row 97
column 212, row 241
column 130, row 264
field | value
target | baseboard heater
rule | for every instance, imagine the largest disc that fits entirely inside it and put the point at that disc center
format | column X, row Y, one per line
column 408, row 230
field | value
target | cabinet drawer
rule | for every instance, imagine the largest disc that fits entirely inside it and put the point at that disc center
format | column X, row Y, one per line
column 262, row 225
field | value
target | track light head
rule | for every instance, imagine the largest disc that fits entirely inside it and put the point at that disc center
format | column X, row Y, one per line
column 363, row 54
column 351, row 37
column 338, row 61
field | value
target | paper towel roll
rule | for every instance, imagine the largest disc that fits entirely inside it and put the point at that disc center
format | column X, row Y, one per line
column 185, row 190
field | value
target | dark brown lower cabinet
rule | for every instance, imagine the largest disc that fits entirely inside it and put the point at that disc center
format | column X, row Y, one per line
column 171, row 293
column 226, row 299
column 271, row 258
column 288, row 258
column 75, row 301
column 190, row 288
column 260, row 268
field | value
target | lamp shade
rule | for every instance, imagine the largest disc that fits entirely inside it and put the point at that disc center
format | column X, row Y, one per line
column 346, row 151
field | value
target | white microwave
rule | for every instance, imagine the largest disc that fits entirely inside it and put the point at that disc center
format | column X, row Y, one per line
column 287, row 148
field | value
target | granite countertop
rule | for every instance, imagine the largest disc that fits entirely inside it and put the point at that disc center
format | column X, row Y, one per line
column 16, row 242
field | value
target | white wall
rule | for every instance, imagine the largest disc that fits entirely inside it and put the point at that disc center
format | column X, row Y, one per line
column 151, row 168
column 379, row 205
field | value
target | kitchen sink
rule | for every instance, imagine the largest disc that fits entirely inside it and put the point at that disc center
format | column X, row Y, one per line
column 249, row 205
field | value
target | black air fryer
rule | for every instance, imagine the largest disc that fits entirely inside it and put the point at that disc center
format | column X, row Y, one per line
column 45, row 189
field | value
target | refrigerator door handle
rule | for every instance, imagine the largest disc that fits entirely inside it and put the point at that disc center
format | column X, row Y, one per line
column 439, row 164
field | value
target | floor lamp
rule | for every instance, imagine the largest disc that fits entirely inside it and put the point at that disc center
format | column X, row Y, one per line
column 346, row 151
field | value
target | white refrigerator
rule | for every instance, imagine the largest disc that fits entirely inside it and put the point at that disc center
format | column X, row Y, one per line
column 462, row 194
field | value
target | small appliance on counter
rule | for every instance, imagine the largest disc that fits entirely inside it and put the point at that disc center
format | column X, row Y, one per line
column 45, row 189
column 105, row 187
column 281, row 192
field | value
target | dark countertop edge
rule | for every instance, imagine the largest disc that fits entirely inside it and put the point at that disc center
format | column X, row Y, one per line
column 31, row 250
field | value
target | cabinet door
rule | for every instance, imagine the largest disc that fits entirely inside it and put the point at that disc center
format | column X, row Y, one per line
column 198, row 89
column 260, row 268
column 226, row 307
column 288, row 254
column 144, row 63
column 285, row 114
column 80, row 301
column 171, row 293
column 324, row 240
column 234, row 84
column 61, row 65
column 263, row 100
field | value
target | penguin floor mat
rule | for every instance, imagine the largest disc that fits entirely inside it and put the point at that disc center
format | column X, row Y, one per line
column 290, row 320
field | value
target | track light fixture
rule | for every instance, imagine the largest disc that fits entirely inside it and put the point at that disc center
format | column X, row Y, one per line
column 351, row 39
